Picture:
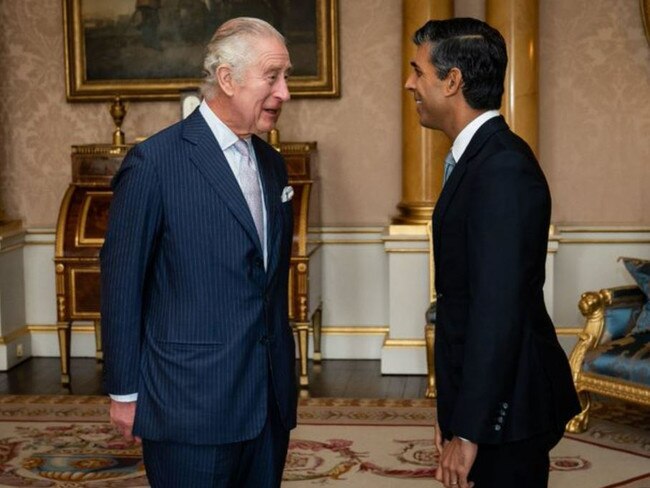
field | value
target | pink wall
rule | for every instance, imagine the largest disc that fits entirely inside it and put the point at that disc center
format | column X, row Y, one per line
column 594, row 114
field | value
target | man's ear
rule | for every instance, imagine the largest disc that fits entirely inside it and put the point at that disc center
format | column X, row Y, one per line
column 225, row 79
column 453, row 82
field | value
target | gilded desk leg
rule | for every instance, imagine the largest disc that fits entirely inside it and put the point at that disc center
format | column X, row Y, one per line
column 316, row 323
column 429, row 335
column 303, row 346
column 63, row 330
column 99, row 353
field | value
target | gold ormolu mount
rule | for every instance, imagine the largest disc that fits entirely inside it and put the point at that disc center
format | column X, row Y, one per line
column 118, row 112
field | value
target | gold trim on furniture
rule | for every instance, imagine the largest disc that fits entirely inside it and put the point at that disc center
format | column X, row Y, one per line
column 80, row 239
column 432, row 281
column 429, row 328
column 76, row 260
column 73, row 294
column 60, row 225
column 568, row 331
column 620, row 389
column 53, row 327
column 592, row 306
column 302, row 223
column 429, row 338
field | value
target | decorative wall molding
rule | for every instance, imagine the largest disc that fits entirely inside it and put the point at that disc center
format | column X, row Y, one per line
column 355, row 289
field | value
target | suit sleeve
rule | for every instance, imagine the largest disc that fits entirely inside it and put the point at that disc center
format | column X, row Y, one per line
column 134, row 222
column 509, row 203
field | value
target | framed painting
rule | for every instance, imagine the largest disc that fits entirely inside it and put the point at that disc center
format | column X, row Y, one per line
column 154, row 49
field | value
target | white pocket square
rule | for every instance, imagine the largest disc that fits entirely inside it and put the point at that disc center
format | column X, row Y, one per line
column 287, row 194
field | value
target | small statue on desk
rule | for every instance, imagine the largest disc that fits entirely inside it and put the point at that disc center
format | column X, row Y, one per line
column 118, row 112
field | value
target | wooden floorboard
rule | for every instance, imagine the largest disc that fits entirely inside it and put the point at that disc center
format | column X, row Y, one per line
column 331, row 378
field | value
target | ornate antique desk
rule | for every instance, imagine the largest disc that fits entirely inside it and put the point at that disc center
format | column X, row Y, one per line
column 80, row 234
column 299, row 157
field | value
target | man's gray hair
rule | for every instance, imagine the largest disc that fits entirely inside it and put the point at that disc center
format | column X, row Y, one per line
column 233, row 44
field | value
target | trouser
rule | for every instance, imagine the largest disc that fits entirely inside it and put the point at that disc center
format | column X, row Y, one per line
column 517, row 464
column 255, row 463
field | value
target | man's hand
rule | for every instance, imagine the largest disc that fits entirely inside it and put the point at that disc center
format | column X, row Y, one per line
column 122, row 416
column 456, row 459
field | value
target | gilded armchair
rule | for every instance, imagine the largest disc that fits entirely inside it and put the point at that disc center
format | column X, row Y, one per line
column 611, row 358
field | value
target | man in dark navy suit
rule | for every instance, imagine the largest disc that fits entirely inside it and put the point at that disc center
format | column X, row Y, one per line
column 504, row 383
column 199, row 353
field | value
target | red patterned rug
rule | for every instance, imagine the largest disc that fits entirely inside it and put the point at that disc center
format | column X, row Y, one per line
column 66, row 441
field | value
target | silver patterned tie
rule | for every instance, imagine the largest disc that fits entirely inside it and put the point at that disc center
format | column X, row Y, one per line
column 450, row 164
column 250, row 186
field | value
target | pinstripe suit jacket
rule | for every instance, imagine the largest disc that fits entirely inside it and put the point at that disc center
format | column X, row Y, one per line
column 191, row 320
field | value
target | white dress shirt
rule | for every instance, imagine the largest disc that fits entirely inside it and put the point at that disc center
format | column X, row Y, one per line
column 465, row 136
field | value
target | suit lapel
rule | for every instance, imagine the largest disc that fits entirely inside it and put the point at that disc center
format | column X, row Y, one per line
column 480, row 138
column 209, row 159
column 271, row 201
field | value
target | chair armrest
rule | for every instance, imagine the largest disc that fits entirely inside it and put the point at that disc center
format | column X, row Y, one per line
column 621, row 307
column 609, row 315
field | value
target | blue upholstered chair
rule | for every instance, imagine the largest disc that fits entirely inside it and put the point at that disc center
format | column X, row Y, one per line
column 612, row 356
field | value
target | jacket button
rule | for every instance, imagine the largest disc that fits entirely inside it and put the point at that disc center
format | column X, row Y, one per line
column 504, row 405
column 497, row 427
column 439, row 295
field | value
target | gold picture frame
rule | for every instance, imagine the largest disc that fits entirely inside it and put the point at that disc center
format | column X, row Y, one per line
column 153, row 49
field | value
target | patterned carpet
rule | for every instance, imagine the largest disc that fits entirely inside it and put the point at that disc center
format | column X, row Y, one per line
column 65, row 441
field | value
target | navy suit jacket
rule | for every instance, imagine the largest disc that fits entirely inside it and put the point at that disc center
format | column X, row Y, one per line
column 191, row 320
column 501, row 374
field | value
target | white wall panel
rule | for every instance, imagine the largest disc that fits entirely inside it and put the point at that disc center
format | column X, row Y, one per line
column 353, row 279
column 587, row 261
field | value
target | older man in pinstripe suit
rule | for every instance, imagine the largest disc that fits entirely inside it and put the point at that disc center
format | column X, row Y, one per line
column 199, row 354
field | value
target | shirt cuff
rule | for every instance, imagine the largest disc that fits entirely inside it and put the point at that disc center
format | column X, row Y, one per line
column 463, row 439
column 132, row 397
